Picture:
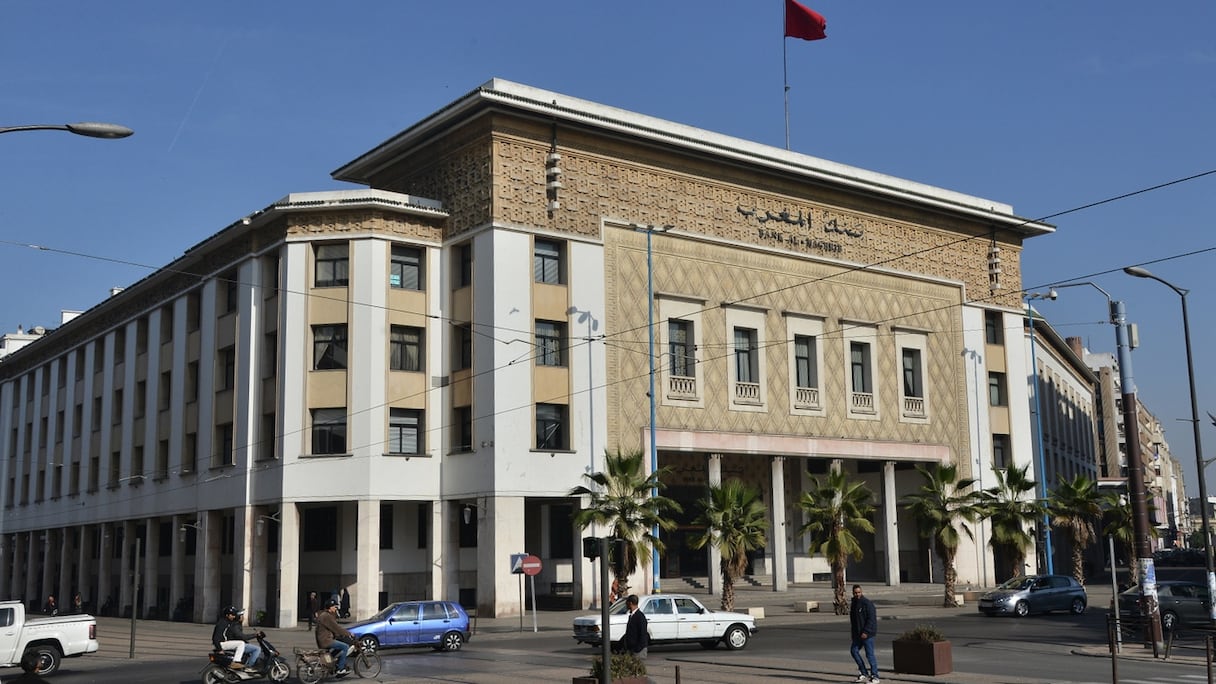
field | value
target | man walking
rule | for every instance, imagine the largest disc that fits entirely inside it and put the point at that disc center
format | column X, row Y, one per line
column 637, row 635
column 863, row 622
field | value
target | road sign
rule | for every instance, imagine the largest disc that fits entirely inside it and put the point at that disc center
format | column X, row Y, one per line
column 531, row 566
column 517, row 563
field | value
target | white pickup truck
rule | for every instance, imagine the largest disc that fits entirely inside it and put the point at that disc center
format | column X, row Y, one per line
column 52, row 638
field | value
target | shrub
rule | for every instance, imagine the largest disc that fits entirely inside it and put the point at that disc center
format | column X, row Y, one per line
column 624, row 665
column 922, row 633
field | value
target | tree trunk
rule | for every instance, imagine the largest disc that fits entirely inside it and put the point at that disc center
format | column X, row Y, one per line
column 728, row 587
column 1078, row 563
column 951, row 575
column 839, row 602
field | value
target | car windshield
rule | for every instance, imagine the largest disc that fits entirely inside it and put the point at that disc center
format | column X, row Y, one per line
column 384, row 614
column 1016, row 583
column 618, row 608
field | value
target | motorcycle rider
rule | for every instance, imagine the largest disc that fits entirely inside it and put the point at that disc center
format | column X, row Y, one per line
column 229, row 634
column 330, row 635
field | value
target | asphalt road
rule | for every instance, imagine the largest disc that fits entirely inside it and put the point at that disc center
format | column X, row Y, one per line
column 1033, row 649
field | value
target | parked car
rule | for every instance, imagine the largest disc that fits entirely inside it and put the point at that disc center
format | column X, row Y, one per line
column 52, row 638
column 672, row 619
column 1026, row 594
column 442, row 625
column 1182, row 604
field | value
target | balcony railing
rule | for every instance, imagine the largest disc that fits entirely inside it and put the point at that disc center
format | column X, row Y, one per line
column 680, row 387
column 914, row 407
column 806, row 398
column 747, row 392
column 863, row 402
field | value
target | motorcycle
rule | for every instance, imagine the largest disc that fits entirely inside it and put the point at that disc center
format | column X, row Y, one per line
column 315, row 665
column 273, row 666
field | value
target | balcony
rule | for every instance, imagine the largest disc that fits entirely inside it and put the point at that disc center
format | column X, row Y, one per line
column 806, row 398
column 747, row 393
column 862, row 402
column 914, row 407
column 680, row 387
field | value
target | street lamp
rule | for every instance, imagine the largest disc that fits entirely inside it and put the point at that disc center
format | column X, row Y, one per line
column 89, row 129
column 1038, row 427
column 654, row 449
column 1199, row 464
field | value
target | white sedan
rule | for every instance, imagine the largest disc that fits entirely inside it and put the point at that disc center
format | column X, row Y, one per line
column 672, row 618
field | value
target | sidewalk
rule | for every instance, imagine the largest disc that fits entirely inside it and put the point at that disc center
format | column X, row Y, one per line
column 154, row 638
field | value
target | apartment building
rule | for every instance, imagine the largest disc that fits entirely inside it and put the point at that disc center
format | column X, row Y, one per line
column 392, row 389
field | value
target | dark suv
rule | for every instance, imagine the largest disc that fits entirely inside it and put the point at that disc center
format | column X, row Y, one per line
column 1028, row 594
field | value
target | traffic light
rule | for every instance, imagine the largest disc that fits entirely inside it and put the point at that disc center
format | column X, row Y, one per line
column 591, row 547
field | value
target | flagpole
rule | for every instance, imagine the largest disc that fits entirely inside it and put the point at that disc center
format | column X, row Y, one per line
column 785, row 77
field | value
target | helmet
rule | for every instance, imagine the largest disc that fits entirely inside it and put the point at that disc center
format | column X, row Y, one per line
column 232, row 610
column 330, row 603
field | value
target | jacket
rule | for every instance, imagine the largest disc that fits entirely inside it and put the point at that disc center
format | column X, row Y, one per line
column 328, row 630
column 637, row 637
column 862, row 617
column 229, row 630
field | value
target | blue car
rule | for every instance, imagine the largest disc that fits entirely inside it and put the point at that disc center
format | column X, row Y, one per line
column 442, row 625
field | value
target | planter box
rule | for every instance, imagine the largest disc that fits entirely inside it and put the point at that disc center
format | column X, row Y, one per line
column 922, row 657
column 587, row 679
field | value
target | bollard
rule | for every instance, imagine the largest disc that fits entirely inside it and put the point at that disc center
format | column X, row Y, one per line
column 678, row 674
column 1207, row 653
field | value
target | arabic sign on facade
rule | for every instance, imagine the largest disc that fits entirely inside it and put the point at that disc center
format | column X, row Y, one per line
column 770, row 229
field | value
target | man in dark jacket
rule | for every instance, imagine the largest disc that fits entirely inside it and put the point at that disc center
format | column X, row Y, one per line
column 333, row 636
column 863, row 621
column 229, row 634
column 637, row 636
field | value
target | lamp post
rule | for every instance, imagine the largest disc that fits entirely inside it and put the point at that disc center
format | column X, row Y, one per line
column 1199, row 464
column 89, row 129
column 654, row 449
column 592, row 326
column 1038, row 429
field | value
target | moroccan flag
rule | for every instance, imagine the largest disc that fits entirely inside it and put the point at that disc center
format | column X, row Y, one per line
column 802, row 22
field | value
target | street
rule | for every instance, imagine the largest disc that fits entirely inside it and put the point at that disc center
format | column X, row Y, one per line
column 1061, row 649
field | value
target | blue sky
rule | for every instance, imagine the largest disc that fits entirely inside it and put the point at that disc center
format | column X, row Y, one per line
column 1047, row 106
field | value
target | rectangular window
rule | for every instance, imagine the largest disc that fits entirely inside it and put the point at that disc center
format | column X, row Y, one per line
column 464, row 265
column 913, row 382
column 463, row 354
column 561, row 531
column 137, row 464
column 193, row 312
column 1000, row 451
column 681, row 348
column 405, row 348
column 79, row 369
column 386, row 526
column 547, row 264
column 266, row 443
column 232, row 292
column 551, row 432
column 162, row 458
column 859, row 367
column 141, row 336
column 805, row 361
column 166, row 324
column 120, row 345
column 405, row 431
column 329, row 431
column 996, row 390
column 62, row 372
column 190, row 453
column 227, row 379
column 270, row 355
column 95, row 420
column 164, row 391
column 332, row 266
column 192, row 381
column 116, row 408
column 405, row 269
column 223, row 445
column 550, row 343
column 993, row 330
column 462, row 428
column 59, row 427
column 329, row 347
column 747, row 356
column 270, row 276
column 319, row 529
column 141, row 398
column 115, row 468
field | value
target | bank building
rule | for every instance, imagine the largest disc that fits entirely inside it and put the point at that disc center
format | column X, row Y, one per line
column 392, row 389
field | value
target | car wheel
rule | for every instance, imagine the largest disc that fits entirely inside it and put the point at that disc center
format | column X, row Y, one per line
column 709, row 644
column 1077, row 607
column 1022, row 609
column 49, row 658
column 452, row 641
column 736, row 637
column 369, row 642
column 1169, row 620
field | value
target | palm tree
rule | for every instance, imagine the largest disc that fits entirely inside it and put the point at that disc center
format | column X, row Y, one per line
column 1011, row 513
column 837, row 510
column 735, row 518
column 622, row 501
column 1120, row 526
column 1075, row 504
column 940, row 511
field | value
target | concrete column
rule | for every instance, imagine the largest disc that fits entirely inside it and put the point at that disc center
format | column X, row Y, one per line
column 85, row 536
column 177, row 565
column 126, row 566
column 500, row 533
column 890, row 523
column 63, row 593
column 50, row 558
column 713, row 551
column 20, row 563
column 207, row 567
column 149, row 574
column 289, row 565
column 242, row 558
column 776, row 537
column 366, row 599
column 444, row 551
column 257, row 564
column 6, row 564
column 105, row 559
column 33, row 545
